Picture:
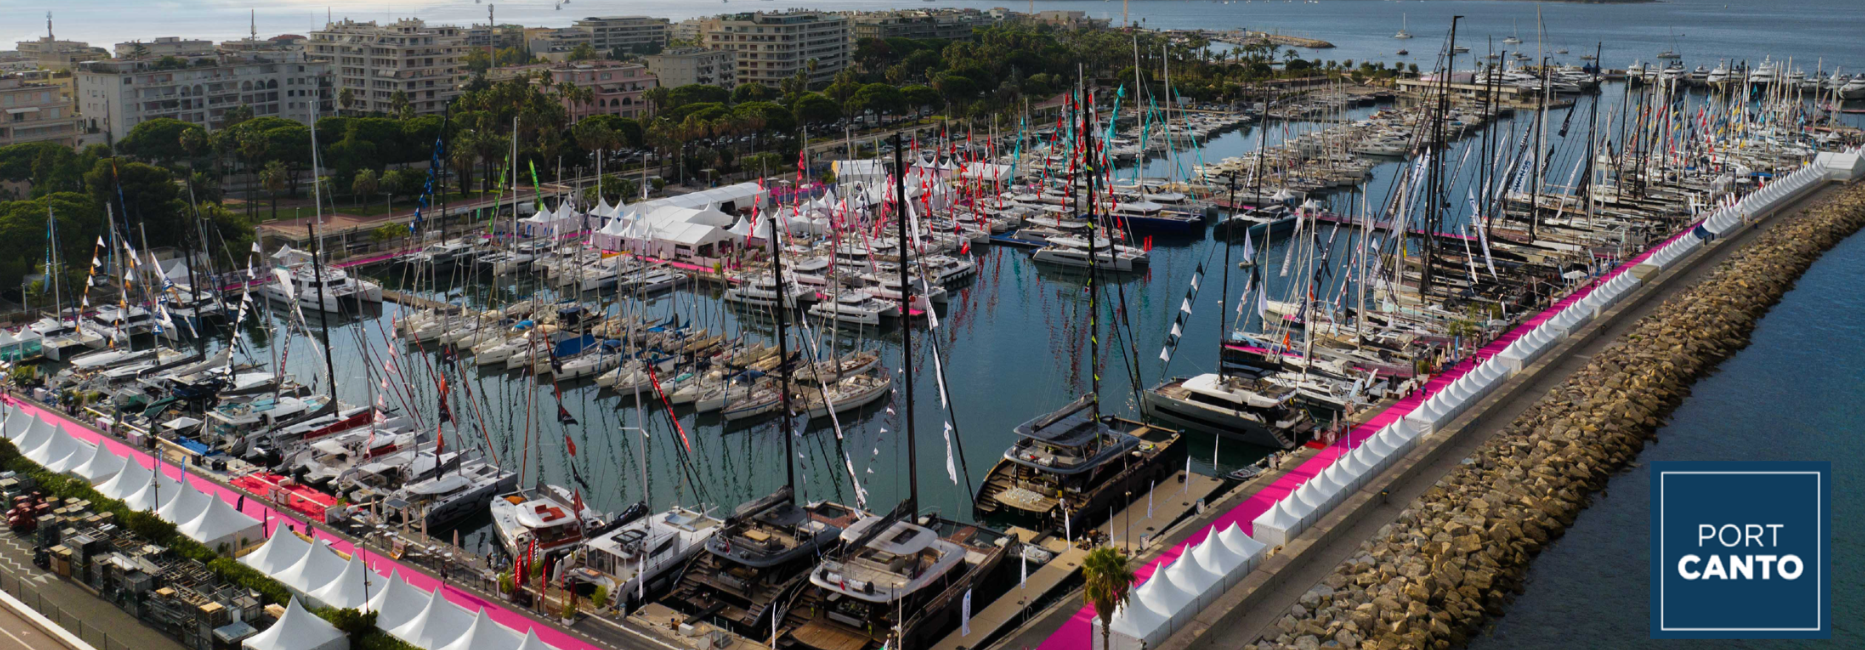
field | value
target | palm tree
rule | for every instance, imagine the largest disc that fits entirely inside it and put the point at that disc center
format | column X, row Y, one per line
column 346, row 99
column 364, row 185
column 273, row 177
column 1107, row 576
column 252, row 147
column 398, row 102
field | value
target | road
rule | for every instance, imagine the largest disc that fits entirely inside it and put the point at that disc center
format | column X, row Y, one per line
column 17, row 634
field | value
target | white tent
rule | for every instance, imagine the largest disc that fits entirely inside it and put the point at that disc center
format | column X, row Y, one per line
column 127, row 482
column 531, row 642
column 1195, row 580
column 1213, row 556
column 438, row 624
column 1250, row 549
column 1136, row 627
column 484, row 634
column 1277, row 525
column 1171, row 602
column 221, row 525
column 35, row 437
column 280, row 552
column 102, row 465
column 66, row 452
column 351, row 589
column 317, row 568
column 189, row 502
column 18, row 422
column 397, row 602
column 154, row 493
column 298, row 629
column 55, row 448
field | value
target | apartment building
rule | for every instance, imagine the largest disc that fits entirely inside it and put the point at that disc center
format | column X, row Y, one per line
column 53, row 54
column 950, row 24
column 695, row 65
column 375, row 61
column 114, row 96
column 480, row 37
column 617, row 88
column 33, row 110
column 165, row 46
column 772, row 47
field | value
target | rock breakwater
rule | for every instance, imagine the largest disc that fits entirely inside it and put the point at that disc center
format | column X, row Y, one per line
column 1457, row 554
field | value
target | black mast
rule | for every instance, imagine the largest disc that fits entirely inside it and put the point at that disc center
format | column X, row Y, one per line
column 1094, row 227
column 323, row 316
column 783, row 354
column 1223, row 304
column 906, row 332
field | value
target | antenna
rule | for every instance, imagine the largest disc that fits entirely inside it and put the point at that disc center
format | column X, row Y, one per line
column 253, row 16
column 48, row 27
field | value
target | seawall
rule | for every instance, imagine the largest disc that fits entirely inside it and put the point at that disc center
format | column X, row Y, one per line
column 1458, row 553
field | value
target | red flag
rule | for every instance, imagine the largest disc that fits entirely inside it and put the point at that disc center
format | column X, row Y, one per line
column 570, row 444
column 652, row 379
column 577, row 500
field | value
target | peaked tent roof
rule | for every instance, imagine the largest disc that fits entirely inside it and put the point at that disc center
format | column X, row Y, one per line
column 54, row 449
column 18, row 422
column 154, row 493
column 35, row 437
column 102, row 465
column 531, row 642
column 350, row 590
column 221, row 524
column 279, row 552
column 396, row 603
column 317, row 568
column 438, row 624
column 298, row 629
column 74, row 452
column 484, row 634
column 127, row 482
column 189, row 502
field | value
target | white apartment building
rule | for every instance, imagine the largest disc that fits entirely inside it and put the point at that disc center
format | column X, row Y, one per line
column 165, row 46
column 115, row 96
column 634, row 34
column 35, row 111
column 53, row 54
column 774, row 46
column 695, row 65
column 374, row 61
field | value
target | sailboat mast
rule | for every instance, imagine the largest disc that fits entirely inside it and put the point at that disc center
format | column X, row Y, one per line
column 54, row 271
column 1223, row 304
column 1094, row 226
column 906, row 333
column 783, row 352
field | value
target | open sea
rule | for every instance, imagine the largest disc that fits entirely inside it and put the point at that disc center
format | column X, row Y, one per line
column 1013, row 340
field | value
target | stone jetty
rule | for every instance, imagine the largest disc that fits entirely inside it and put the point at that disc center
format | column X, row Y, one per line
column 1458, row 554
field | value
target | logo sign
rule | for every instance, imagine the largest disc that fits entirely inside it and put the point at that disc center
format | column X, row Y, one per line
column 1741, row 550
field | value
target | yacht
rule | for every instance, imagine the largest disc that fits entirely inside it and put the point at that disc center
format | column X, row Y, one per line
column 1073, row 252
column 542, row 520
column 858, row 307
column 1402, row 33
column 1514, row 38
column 1249, row 409
column 130, row 321
column 298, row 284
column 762, row 291
column 452, row 494
column 634, row 558
column 1718, row 76
column 1854, row 88
column 1069, row 467
column 63, row 340
column 846, row 394
column 894, row 579
column 757, row 561
column 443, row 253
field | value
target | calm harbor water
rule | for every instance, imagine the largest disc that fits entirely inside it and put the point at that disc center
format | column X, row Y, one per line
column 1795, row 393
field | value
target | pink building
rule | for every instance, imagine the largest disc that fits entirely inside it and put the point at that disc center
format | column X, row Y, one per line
column 617, row 88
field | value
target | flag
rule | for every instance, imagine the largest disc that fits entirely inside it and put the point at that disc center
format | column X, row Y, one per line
column 1149, row 499
column 564, row 417
column 1262, row 302
column 1249, row 249
column 1024, row 582
column 1066, row 531
column 964, row 615
column 951, row 468
column 568, row 443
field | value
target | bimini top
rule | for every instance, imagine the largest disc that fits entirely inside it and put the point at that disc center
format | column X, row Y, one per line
column 1068, row 441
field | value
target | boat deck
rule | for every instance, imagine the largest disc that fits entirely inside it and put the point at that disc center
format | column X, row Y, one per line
column 1009, row 609
column 824, row 635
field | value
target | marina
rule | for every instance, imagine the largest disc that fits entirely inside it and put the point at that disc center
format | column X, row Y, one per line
column 889, row 396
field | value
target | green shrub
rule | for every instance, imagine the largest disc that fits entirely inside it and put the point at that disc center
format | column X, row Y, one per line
column 600, row 598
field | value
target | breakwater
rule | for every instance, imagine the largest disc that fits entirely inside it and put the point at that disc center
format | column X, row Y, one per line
column 1458, row 554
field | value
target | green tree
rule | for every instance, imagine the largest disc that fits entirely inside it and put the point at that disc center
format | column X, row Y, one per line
column 750, row 91
column 346, row 99
column 920, row 96
column 1107, row 583
column 274, row 178
column 364, row 185
column 234, row 116
column 816, row 108
column 583, row 52
column 158, row 140
column 398, row 103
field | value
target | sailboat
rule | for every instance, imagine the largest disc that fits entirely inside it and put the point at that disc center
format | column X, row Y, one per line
column 1073, row 464
column 1402, row 33
column 1514, row 37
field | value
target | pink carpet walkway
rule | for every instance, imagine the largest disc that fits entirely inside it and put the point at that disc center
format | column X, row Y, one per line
column 1077, row 633
column 257, row 508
